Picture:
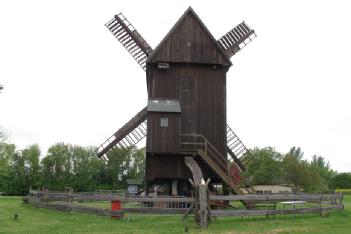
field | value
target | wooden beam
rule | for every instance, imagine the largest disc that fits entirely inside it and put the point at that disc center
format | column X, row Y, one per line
column 219, row 213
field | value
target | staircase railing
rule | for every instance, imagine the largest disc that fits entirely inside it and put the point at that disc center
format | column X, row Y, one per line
column 191, row 143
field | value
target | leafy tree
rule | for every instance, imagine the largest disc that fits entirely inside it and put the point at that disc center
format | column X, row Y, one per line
column 124, row 164
column 16, row 184
column 118, row 166
column 23, row 171
column 295, row 170
column 299, row 174
column 137, row 169
column 342, row 181
column 322, row 167
column 57, row 167
column 86, row 169
column 264, row 166
column 31, row 157
column 7, row 152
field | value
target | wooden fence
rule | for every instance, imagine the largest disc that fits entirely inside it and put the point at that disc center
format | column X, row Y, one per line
column 140, row 204
column 261, row 204
column 316, row 204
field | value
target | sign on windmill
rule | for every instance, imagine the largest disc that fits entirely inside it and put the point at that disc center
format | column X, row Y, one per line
column 187, row 103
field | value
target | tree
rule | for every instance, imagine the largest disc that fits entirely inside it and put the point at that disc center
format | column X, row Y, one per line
column 295, row 170
column 124, row 164
column 16, row 184
column 7, row 152
column 137, row 168
column 300, row 174
column 57, row 167
column 342, row 181
column 31, row 157
column 24, row 171
column 264, row 166
column 322, row 167
column 86, row 169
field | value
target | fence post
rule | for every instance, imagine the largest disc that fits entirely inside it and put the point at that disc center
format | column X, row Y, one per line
column 203, row 205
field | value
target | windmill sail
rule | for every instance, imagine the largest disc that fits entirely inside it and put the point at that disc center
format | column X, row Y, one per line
column 236, row 148
column 129, row 37
column 236, row 39
column 127, row 136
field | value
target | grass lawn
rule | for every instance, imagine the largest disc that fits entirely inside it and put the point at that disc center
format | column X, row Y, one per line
column 35, row 220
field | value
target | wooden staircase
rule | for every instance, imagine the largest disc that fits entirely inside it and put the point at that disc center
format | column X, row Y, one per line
column 127, row 136
column 198, row 144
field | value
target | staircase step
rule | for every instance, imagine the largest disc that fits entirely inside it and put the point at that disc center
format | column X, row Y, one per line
column 222, row 173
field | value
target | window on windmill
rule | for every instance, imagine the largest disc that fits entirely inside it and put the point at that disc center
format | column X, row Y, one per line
column 163, row 66
column 164, row 122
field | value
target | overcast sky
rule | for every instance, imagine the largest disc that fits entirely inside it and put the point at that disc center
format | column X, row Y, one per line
column 67, row 79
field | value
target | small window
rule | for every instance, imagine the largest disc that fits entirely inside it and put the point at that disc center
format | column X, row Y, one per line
column 164, row 122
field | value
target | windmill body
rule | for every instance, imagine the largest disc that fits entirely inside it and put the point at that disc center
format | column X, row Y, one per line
column 185, row 118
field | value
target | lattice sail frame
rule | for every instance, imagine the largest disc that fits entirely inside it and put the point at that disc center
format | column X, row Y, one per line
column 236, row 39
column 129, row 37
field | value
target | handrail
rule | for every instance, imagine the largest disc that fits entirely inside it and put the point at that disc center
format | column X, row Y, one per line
column 224, row 163
column 208, row 147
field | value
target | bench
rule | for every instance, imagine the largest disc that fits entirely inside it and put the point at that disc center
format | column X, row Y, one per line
column 293, row 204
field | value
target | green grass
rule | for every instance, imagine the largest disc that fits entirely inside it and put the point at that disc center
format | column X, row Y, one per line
column 343, row 190
column 35, row 220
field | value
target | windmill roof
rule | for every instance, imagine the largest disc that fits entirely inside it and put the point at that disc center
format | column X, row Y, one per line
column 219, row 57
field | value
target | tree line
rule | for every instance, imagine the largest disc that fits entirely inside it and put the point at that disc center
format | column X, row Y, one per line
column 66, row 165
column 266, row 166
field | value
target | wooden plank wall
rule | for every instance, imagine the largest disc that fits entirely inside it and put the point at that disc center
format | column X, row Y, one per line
column 163, row 139
column 201, row 90
column 197, row 78
column 169, row 166
column 189, row 42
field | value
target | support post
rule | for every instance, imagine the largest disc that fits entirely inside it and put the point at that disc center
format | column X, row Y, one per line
column 203, row 205
column 175, row 187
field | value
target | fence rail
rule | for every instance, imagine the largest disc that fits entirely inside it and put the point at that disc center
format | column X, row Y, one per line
column 57, row 196
column 64, row 201
column 218, row 213
column 287, row 197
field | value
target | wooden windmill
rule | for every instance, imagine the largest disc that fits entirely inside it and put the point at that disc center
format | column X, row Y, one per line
column 185, row 125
